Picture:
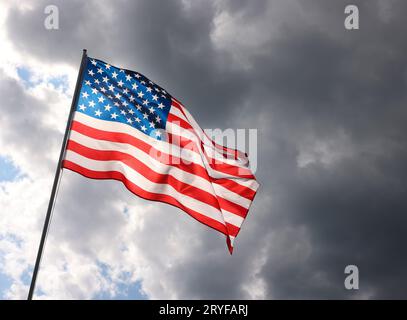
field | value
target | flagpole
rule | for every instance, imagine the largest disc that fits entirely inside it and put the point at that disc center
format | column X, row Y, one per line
column 57, row 177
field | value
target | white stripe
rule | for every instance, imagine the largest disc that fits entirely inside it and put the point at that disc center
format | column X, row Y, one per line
column 232, row 218
column 145, row 184
column 232, row 240
column 231, row 196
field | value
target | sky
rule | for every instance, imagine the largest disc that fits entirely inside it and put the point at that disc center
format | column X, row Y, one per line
column 329, row 106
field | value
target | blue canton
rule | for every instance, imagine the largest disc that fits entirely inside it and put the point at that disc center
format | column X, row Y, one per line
column 118, row 95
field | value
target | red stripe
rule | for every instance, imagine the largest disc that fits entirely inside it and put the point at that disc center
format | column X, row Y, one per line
column 232, row 207
column 236, row 188
column 146, row 171
column 232, row 230
column 181, row 122
column 115, row 175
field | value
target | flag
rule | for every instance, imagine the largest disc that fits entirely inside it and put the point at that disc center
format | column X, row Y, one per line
column 126, row 127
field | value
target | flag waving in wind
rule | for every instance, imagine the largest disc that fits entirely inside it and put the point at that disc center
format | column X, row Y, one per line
column 127, row 128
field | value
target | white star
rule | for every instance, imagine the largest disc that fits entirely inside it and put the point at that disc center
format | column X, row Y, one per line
column 100, row 70
column 94, row 90
column 120, row 83
column 114, row 74
column 125, row 103
column 91, row 104
column 91, row 72
column 145, row 115
column 126, row 91
column 152, row 125
column 105, row 79
column 158, row 133
column 128, row 77
column 108, row 107
column 160, row 106
column 137, row 119
column 118, row 95
column 85, row 95
column 113, row 115
column 145, row 102
column 137, row 76
column 155, row 97
column 103, row 90
column 93, row 62
column 98, row 113
column 157, row 119
column 143, row 128
column 143, row 82
column 129, row 121
column 140, row 94
column 97, row 81
column 111, row 88
column 149, row 89
column 116, row 104
column 82, row 107
column 135, row 86
column 123, row 112
column 151, row 109
column 131, row 98
column 107, row 66
column 101, row 99
column 131, row 111
column 138, row 107
column 87, row 82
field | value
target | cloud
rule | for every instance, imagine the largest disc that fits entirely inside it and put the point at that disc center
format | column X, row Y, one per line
column 329, row 106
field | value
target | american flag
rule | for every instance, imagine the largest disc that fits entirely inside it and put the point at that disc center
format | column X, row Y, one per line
column 126, row 127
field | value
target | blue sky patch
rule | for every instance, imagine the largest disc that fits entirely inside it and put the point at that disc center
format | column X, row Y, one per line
column 59, row 82
column 8, row 172
column 5, row 284
column 126, row 290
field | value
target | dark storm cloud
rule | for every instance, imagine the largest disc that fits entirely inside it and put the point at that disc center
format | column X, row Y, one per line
column 313, row 81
